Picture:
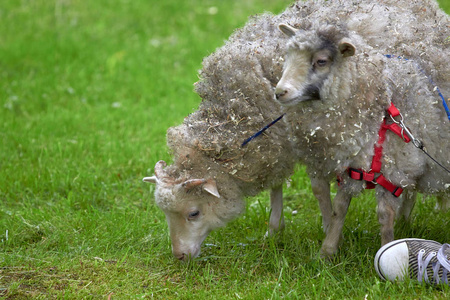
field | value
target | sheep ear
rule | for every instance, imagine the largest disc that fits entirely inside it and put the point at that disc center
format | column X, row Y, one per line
column 211, row 187
column 346, row 48
column 192, row 183
column 152, row 179
column 207, row 185
column 287, row 30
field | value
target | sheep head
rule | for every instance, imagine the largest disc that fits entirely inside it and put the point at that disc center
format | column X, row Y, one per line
column 192, row 208
column 309, row 60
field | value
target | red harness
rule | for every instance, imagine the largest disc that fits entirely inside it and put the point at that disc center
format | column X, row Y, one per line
column 369, row 177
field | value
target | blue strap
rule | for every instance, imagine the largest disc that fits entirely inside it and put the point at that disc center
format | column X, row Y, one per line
column 262, row 130
column 444, row 103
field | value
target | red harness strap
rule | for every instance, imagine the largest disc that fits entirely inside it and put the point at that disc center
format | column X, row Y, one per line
column 369, row 177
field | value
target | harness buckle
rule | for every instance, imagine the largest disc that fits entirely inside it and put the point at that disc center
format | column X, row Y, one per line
column 395, row 121
column 358, row 174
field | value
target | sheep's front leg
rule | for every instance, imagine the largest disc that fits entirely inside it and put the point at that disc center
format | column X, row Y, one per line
column 340, row 206
column 386, row 214
column 321, row 190
column 408, row 202
column 276, row 222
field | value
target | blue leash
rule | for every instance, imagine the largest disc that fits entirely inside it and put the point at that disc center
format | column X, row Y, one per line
column 262, row 130
column 444, row 103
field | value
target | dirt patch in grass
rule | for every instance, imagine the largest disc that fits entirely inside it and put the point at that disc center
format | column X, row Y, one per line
column 23, row 282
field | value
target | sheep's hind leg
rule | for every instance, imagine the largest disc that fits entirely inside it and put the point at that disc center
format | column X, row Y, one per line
column 321, row 190
column 340, row 206
column 276, row 222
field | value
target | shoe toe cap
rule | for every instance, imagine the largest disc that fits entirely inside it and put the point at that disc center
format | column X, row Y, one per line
column 392, row 260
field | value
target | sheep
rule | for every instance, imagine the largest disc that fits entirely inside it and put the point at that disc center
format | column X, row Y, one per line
column 211, row 174
column 338, row 83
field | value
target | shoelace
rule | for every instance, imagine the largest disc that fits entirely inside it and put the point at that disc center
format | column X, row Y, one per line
column 442, row 261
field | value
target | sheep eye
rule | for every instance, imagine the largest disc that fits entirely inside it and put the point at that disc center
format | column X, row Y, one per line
column 193, row 215
column 321, row 62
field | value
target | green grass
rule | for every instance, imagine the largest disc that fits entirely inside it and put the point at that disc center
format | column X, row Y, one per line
column 87, row 91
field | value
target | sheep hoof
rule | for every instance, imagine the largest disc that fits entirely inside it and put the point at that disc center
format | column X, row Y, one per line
column 327, row 253
column 273, row 232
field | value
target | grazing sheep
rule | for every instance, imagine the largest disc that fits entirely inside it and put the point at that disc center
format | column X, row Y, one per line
column 211, row 174
column 337, row 85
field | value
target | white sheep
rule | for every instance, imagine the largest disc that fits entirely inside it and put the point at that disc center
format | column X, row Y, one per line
column 211, row 174
column 337, row 85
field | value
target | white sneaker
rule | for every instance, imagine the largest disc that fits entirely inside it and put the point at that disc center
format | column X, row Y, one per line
column 415, row 258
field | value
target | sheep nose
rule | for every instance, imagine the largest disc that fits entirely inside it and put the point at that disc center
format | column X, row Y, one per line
column 181, row 256
column 280, row 93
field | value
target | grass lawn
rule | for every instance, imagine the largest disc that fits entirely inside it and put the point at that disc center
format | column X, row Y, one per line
column 87, row 92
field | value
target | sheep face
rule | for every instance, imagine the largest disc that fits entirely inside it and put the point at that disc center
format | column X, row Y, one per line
column 190, row 207
column 308, row 63
column 190, row 218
